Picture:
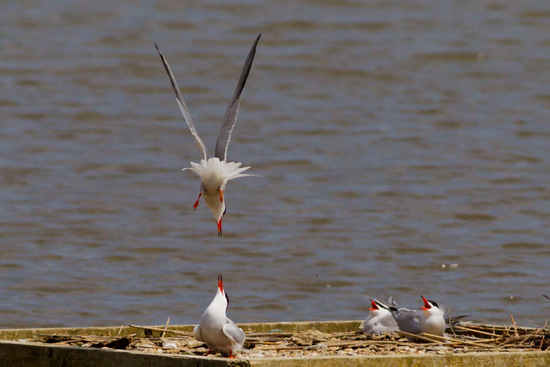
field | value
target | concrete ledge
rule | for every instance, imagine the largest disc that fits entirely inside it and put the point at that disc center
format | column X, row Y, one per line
column 15, row 351
column 15, row 354
column 524, row 359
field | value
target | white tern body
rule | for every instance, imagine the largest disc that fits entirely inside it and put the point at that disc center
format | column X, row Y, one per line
column 216, row 329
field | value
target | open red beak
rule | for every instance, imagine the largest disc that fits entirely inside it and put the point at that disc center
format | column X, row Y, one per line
column 374, row 306
column 427, row 306
column 220, row 283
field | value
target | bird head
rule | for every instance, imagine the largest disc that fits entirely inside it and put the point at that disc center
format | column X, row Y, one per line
column 429, row 305
column 225, row 297
column 374, row 306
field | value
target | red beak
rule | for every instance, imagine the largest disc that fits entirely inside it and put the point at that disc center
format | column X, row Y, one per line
column 374, row 305
column 220, row 283
column 220, row 228
column 427, row 306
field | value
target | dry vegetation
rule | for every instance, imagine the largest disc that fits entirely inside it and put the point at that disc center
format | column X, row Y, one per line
column 463, row 338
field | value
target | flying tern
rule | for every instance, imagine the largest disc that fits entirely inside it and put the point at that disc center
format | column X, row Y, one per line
column 216, row 329
column 379, row 320
column 216, row 171
column 429, row 319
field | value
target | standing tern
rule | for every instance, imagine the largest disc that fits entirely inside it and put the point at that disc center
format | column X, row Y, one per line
column 216, row 329
column 429, row 319
column 215, row 172
column 380, row 320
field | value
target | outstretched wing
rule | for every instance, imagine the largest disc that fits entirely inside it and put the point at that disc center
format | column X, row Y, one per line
column 234, row 332
column 182, row 105
column 230, row 116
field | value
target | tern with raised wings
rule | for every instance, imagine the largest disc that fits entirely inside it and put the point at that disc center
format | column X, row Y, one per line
column 216, row 171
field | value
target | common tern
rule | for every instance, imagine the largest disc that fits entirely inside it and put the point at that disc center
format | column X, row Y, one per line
column 380, row 320
column 216, row 171
column 216, row 329
column 429, row 319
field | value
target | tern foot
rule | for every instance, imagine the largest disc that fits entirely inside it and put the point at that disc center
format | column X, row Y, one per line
column 197, row 202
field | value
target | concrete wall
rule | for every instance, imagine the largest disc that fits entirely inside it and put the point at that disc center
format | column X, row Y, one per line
column 16, row 354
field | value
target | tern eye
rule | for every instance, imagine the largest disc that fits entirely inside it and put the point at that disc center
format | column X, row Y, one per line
column 433, row 303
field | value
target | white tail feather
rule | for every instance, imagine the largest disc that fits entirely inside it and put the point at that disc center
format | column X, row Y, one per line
column 213, row 171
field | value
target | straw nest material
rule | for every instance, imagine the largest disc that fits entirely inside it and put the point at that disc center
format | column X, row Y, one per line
column 462, row 338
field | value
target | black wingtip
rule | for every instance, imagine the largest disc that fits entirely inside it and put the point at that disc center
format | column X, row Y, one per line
column 253, row 50
column 380, row 304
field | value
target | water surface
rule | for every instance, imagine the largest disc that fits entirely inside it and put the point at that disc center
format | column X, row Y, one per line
column 403, row 147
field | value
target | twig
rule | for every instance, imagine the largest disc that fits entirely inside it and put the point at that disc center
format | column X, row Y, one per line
column 349, row 333
column 275, row 335
column 450, row 322
column 280, row 348
column 165, row 327
column 499, row 328
column 421, row 337
column 476, row 331
column 360, row 343
column 184, row 333
column 456, row 341
column 120, row 330
column 514, row 325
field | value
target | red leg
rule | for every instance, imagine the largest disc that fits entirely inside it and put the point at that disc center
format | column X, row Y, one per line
column 220, row 228
column 231, row 356
column 197, row 202
column 221, row 196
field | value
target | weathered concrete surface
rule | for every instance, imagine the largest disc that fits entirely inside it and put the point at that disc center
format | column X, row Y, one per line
column 524, row 359
column 16, row 354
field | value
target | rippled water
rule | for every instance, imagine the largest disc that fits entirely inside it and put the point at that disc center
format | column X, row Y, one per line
column 394, row 141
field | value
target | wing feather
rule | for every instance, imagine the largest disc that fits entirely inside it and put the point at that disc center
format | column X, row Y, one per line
column 234, row 332
column 182, row 105
column 409, row 321
column 230, row 116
